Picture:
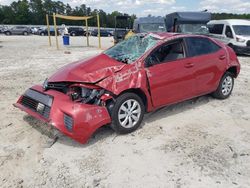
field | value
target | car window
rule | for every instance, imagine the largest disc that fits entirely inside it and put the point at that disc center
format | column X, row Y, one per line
column 200, row 46
column 168, row 52
column 229, row 32
column 215, row 28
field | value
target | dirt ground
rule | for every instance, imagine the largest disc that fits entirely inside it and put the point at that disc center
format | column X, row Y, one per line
column 202, row 142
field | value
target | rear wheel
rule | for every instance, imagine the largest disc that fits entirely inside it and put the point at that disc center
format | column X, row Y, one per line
column 127, row 113
column 225, row 87
column 25, row 33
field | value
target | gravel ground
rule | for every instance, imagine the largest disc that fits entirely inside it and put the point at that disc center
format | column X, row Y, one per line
column 202, row 142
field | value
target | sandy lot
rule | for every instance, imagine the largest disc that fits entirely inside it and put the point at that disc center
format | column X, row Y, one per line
column 202, row 142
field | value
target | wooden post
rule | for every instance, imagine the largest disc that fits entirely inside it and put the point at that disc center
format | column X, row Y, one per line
column 99, row 34
column 87, row 32
column 48, row 27
column 55, row 27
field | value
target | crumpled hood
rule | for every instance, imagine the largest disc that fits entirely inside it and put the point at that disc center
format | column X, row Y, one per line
column 91, row 70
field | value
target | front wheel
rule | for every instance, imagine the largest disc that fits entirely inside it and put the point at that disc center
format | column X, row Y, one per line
column 127, row 113
column 225, row 87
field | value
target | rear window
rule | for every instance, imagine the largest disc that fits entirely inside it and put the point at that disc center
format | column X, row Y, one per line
column 200, row 46
column 215, row 28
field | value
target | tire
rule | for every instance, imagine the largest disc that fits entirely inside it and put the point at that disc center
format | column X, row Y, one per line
column 225, row 87
column 42, row 34
column 25, row 33
column 124, row 119
column 7, row 33
column 73, row 34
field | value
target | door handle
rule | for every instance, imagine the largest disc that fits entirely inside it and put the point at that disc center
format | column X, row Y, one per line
column 221, row 57
column 189, row 65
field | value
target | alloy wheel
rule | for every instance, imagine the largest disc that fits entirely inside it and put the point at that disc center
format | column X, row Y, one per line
column 129, row 113
column 227, row 85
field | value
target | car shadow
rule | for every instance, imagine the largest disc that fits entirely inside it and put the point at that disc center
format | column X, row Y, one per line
column 104, row 132
column 243, row 55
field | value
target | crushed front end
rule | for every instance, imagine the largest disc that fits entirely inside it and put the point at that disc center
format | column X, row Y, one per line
column 77, row 110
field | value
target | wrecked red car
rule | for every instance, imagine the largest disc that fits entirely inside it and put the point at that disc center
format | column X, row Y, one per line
column 138, row 75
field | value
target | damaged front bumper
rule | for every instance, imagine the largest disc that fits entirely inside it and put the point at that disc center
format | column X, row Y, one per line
column 76, row 120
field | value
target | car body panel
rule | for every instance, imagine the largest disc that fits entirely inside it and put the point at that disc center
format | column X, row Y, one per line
column 90, row 70
column 170, row 82
column 209, row 69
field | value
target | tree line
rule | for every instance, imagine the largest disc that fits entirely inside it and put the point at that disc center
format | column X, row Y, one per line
column 33, row 12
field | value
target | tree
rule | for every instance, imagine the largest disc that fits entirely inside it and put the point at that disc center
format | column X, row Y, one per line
column 37, row 11
column 22, row 14
column 34, row 11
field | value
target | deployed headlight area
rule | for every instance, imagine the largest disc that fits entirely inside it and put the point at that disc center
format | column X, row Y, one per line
column 86, row 95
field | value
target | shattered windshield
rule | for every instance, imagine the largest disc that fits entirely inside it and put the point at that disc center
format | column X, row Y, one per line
column 152, row 27
column 131, row 49
column 242, row 29
column 193, row 28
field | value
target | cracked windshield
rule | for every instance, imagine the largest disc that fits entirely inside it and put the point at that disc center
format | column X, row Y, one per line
column 131, row 49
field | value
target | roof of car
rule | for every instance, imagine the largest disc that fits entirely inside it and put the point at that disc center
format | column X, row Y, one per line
column 231, row 21
column 165, row 35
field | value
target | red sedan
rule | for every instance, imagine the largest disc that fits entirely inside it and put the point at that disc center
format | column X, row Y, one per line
column 136, row 76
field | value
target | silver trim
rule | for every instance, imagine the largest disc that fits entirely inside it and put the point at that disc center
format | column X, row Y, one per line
column 129, row 113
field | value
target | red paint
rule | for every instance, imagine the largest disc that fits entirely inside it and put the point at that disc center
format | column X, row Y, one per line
column 162, row 84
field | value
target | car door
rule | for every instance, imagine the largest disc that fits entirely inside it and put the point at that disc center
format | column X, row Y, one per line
column 14, row 30
column 19, row 30
column 170, row 74
column 209, row 60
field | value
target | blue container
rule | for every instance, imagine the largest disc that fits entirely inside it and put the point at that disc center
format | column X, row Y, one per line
column 66, row 40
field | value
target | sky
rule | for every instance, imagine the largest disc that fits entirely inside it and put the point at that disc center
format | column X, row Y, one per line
column 160, row 7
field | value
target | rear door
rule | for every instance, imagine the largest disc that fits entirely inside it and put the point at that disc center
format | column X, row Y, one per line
column 209, row 61
column 170, row 74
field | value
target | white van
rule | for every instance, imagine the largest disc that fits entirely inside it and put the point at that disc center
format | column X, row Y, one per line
column 234, row 32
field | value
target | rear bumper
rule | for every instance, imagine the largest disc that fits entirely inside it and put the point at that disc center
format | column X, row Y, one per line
column 84, row 119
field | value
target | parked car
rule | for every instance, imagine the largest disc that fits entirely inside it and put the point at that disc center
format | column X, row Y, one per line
column 103, row 33
column 138, row 75
column 2, row 28
column 76, row 31
column 34, row 30
column 44, row 31
column 234, row 32
column 18, row 30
